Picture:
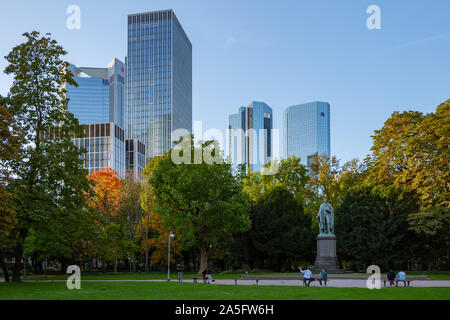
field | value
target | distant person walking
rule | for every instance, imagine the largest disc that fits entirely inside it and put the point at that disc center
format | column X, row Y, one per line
column 323, row 277
column 391, row 277
column 307, row 276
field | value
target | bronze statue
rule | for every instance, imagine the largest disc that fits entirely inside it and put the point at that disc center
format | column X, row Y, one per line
column 326, row 218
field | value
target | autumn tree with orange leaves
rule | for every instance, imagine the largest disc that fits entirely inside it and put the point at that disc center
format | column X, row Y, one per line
column 105, row 197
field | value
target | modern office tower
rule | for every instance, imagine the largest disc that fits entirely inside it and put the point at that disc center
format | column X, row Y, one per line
column 98, row 103
column 158, row 81
column 135, row 158
column 105, row 147
column 99, row 97
column 250, row 136
column 307, row 131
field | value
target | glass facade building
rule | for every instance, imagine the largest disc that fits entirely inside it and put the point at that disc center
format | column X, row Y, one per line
column 250, row 135
column 99, row 97
column 135, row 158
column 307, row 131
column 104, row 147
column 89, row 102
column 98, row 102
column 158, row 81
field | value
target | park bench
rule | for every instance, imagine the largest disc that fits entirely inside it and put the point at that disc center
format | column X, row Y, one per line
column 407, row 281
column 194, row 280
column 257, row 279
column 316, row 279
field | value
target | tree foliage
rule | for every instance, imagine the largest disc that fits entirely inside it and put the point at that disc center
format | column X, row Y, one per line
column 50, row 178
column 281, row 231
column 372, row 227
column 411, row 152
column 105, row 196
column 203, row 202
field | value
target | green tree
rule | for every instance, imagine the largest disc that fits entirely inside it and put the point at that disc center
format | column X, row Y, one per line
column 50, row 179
column 372, row 227
column 291, row 175
column 281, row 232
column 331, row 179
column 203, row 202
column 10, row 150
column 131, row 213
column 411, row 152
column 114, row 244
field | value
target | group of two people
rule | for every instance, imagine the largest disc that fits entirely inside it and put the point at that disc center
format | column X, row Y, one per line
column 307, row 276
column 401, row 276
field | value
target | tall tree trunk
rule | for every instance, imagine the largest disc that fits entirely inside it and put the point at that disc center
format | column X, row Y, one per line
column 146, row 241
column 4, row 266
column 203, row 258
column 18, row 252
column 186, row 261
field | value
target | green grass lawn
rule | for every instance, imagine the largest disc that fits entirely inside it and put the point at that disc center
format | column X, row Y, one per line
column 190, row 291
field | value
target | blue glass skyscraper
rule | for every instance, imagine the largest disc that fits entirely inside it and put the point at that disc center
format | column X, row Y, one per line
column 98, row 103
column 307, row 131
column 250, row 135
column 89, row 102
column 159, row 80
column 99, row 97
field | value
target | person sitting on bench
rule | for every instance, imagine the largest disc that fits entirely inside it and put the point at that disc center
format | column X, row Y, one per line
column 306, row 276
column 401, row 276
column 323, row 277
column 391, row 277
column 208, row 276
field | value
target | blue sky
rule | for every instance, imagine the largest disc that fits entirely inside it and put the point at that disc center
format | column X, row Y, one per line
column 281, row 52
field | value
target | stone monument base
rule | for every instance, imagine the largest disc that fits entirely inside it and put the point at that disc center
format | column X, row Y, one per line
column 326, row 253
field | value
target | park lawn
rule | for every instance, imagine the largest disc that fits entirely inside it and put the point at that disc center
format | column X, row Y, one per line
column 432, row 275
column 190, row 291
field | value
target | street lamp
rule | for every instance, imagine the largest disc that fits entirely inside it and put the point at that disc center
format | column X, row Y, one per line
column 171, row 236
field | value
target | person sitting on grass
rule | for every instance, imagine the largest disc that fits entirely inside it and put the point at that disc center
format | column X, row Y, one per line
column 391, row 277
column 401, row 276
column 323, row 277
column 307, row 276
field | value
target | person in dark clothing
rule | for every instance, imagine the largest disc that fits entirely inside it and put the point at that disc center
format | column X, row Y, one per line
column 391, row 277
column 204, row 275
column 323, row 277
column 208, row 276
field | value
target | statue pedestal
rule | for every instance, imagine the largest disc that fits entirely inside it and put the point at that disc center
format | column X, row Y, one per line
column 326, row 253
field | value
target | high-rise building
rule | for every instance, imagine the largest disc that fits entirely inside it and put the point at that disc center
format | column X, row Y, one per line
column 307, row 131
column 98, row 103
column 104, row 147
column 135, row 158
column 159, row 80
column 250, row 136
column 99, row 97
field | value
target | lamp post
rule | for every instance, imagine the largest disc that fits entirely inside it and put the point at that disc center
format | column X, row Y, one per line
column 171, row 236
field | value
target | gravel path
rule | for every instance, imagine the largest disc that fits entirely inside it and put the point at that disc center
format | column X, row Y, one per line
column 338, row 283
